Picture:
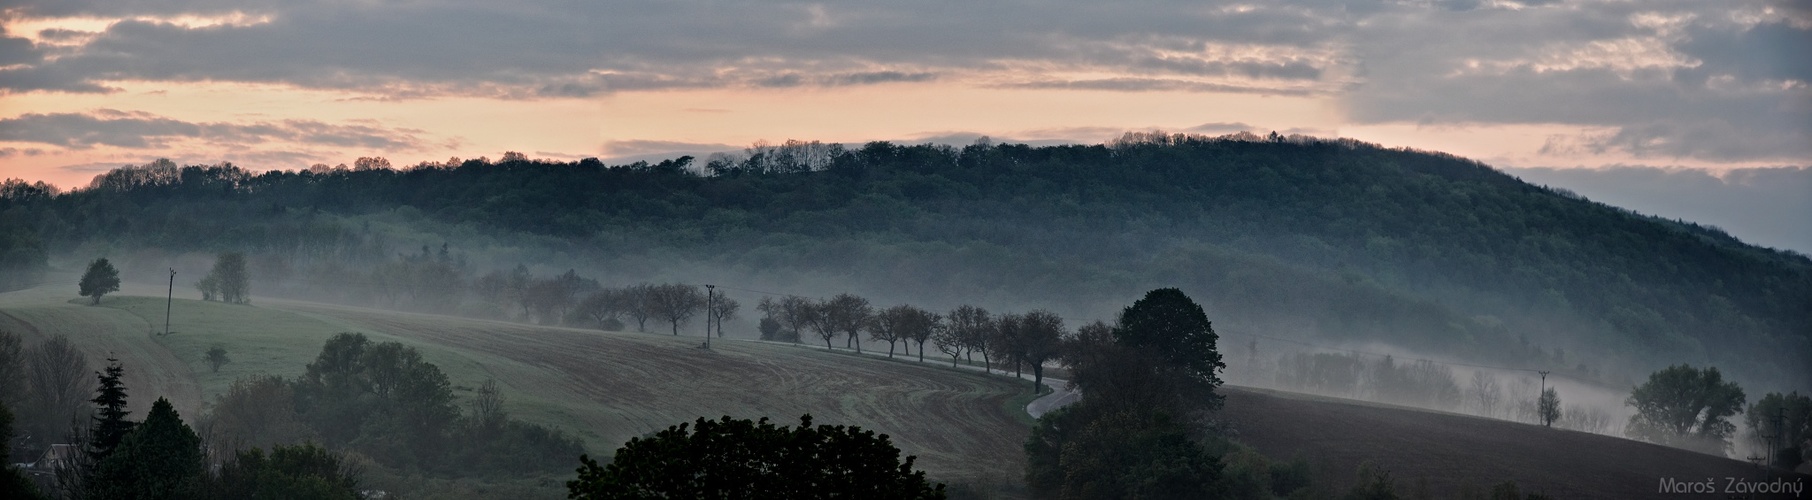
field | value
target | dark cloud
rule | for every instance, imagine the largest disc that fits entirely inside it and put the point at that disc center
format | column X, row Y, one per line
column 1220, row 128
column 1766, row 51
column 137, row 130
column 1765, row 206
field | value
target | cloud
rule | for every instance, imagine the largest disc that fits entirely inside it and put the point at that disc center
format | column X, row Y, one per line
column 1764, row 206
column 139, row 130
column 1670, row 73
column 631, row 150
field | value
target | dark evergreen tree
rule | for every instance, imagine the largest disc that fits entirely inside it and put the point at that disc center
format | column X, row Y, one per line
column 13, row 483
column 101, row 279
column 1167, row 323
column 159, row 459
column 110, row 425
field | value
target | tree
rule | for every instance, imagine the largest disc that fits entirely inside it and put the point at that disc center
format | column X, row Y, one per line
column 1004, row 342
column 638, row 302
column 923, row 325
column 820, row 322
column 13, row 482
column 1040, row 338
column 738, row 458
column 604, row 307
column 109, row 424
column 1090, row 450
column 890, row 325
column 1685, row 407
column 797, row 313
column 209, row 286
column 1486, row 393
column 1783, row 423
column 255, row 412
column 217, row 356
column 100, row 279
column 947, row 341
column 159, row 459
column 676, row 303
column 56, row 387
column 1548, row 407
column 972, row 329
column 230, row 275
column 723, row 308
column 12, row 370
column 1173, row 326
column 301, row 472
column 846, row 314
column 383, row 399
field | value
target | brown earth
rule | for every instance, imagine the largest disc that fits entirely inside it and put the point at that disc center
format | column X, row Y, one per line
column 1336, row 435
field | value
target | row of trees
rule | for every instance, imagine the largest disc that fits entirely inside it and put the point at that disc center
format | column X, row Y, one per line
column 1025, row 340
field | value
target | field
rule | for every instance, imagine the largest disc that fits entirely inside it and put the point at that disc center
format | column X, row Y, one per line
column 1335, row 435
column 604, row 387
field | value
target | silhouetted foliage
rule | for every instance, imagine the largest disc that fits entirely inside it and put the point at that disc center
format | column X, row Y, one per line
column 301, row 472
column 100, row 279
column 13, row 483
column 739, row 458
column 216, row 357
column 109, row 424
column 160, row 458
column 1686, row 407
column 1548, row 406
column 1783, row 421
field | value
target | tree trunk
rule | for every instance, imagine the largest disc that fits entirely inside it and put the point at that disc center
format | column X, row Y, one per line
column 890, row 350
column 1037, row 378
column 858, row 340
column 987, row 367
column 921, row 352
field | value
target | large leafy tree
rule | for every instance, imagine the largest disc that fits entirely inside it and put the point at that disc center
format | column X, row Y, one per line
column 739, row 458
column 1170, row 325
column 100, row 279
column 160, row 459
column 1686, row 407
column 231, row 280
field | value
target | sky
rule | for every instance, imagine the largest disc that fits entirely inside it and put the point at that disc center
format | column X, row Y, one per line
column 1705, row 87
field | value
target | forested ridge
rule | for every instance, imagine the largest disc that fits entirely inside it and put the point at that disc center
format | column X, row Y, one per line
column 1291, row 237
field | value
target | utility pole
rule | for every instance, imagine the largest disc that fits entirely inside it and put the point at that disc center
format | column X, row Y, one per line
column 168, row 299
column 710, row 311
column 1544, row 392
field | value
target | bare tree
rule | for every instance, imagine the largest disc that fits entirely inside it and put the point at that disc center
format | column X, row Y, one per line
column 676, row 303
column 604, row 307
column 257, row 412
column 12, row 371
column 1003, row 341
column 948, row 342
column 721, row 309
column 820, row 323
column 1040, row 335
column 973, row 329
column 797, row 313
column 637, row 301
column 847, row 314
column 922, row 327
column 487, row 407
column 891, row 325
column 56, row 386
column 1486, row 394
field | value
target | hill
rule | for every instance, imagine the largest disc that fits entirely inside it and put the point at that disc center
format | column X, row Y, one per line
column 604, row 387
column 1449, row 450
column 1331, row 241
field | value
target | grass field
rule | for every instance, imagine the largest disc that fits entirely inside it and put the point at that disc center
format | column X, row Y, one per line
column 604, row 387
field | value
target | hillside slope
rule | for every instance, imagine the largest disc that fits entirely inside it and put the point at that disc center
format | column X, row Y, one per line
column 604, row 387
column 1336, row 435
column 1330, row 241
